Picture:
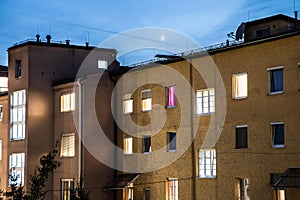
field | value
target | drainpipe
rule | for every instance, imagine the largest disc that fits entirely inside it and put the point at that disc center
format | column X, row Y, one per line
column 194, row 186
column 80, row 129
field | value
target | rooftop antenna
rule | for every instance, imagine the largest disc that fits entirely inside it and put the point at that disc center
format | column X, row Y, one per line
column 248, row 15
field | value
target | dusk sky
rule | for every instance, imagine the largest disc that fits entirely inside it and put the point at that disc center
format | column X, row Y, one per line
column 207, row 22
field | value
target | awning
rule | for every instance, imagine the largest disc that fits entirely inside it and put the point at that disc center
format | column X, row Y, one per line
column 122, row 181
column 289, row 179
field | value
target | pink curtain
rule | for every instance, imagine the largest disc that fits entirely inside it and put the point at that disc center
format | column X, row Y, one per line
column 171, row 94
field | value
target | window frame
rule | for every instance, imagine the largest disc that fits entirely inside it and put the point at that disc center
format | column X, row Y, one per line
column 70, row 184
column 102, row 64
column 147, row 193
column 212, row 163
column 273, row 138
column 1, row 113
column 169, row 145
column 234, row 86
column 299, row 76
column 19, row 169
column 70, row 152
column 174, row 195
column 18, row 69
column 146, row 101
column 69, row 99
column 270, row 81
column 1, row 149
column 242, row 188
column 127, row 99
column 145, row 137
column 18, row 115
column 236, row 136
column 128, row 146
column 211, row 104
column 173, row 96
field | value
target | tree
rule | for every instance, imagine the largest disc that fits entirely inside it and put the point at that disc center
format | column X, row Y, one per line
column 38, row 180
column 79, row 192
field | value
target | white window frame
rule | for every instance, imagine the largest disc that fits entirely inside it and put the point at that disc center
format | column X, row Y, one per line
column 146, row 101
column 242, row 189
column 127, row 104
column 201, row 101
column 237, row 127
column 3, row 84
column 16, row 168
column 269, row 75
column 238, row 82
column 67, row 141
column 173, row 188
column 102, row 64
column 66, row 195
column 17, row 115
column 207, row 170
column 272, row 135
column 173, row 96
column 128, row 145
column 0, row 149
column 1, row 113
column 67, row 102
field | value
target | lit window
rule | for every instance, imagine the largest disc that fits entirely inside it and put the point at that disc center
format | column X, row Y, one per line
column 172, row 189
column 127, row 104
column 205, row 101
column 171, row 141
column 147, row 144
column 146, row 100
column 171, row 96
column 241, row 137
column 3, row 84
column 128, row 145
column 207, row 163
column 17, row 116
column 102, row 64
column 16, row 168
column 242, row 189
column 67, row 102
column 239, row 86
column 1, row 112
column 277, row 130
column 280, row 194
column 128, row 192
column 67, row 145
column 275, row 80
column 18, row 69
column 147, row 193
column 66, row 186
column 0, row 149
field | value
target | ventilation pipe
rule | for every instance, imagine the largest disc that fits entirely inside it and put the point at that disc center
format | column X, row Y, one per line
column 67, row 42
column 37, row 38
column 48, row 37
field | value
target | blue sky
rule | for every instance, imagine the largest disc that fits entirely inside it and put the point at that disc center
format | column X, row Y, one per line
column 207, row 22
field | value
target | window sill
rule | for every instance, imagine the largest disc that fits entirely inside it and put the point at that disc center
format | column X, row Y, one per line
column 281, row 146
column 17, row 139
column 170, row 106
column 207, row 177
column 206, row 114
column 127, row 154
column 275, row 93
column 245, row 148
column 171, row 151
column 240, row 98
column 146, row 153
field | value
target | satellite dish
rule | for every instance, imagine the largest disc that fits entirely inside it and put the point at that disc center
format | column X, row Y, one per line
column 240, row 31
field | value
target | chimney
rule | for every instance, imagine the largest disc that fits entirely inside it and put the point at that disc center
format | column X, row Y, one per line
column 296, row 20
column 86, row 44
column 37, row 38
column 67, row 42
column 48, row 37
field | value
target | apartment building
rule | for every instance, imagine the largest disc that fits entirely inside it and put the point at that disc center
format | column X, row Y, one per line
column 38, row 111
column 256, row 155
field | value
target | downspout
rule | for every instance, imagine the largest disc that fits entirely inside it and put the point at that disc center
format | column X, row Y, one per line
column 80, row 129
column 194, row 193
column 115, row 135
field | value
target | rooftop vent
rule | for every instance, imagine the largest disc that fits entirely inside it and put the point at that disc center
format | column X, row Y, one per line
column 67, row 42
column 48, row 37
column 37, row 38
column 86, row 44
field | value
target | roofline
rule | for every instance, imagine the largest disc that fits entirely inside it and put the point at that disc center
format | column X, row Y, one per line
column 266, row 19
column 32, row 42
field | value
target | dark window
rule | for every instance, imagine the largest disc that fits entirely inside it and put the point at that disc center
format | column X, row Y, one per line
column 263, row 32
column 18, row 69
column 276, row 80
column 241, row 137
column 147, row 144
column 171, row 141
column 277, row 134
column 147, row 194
